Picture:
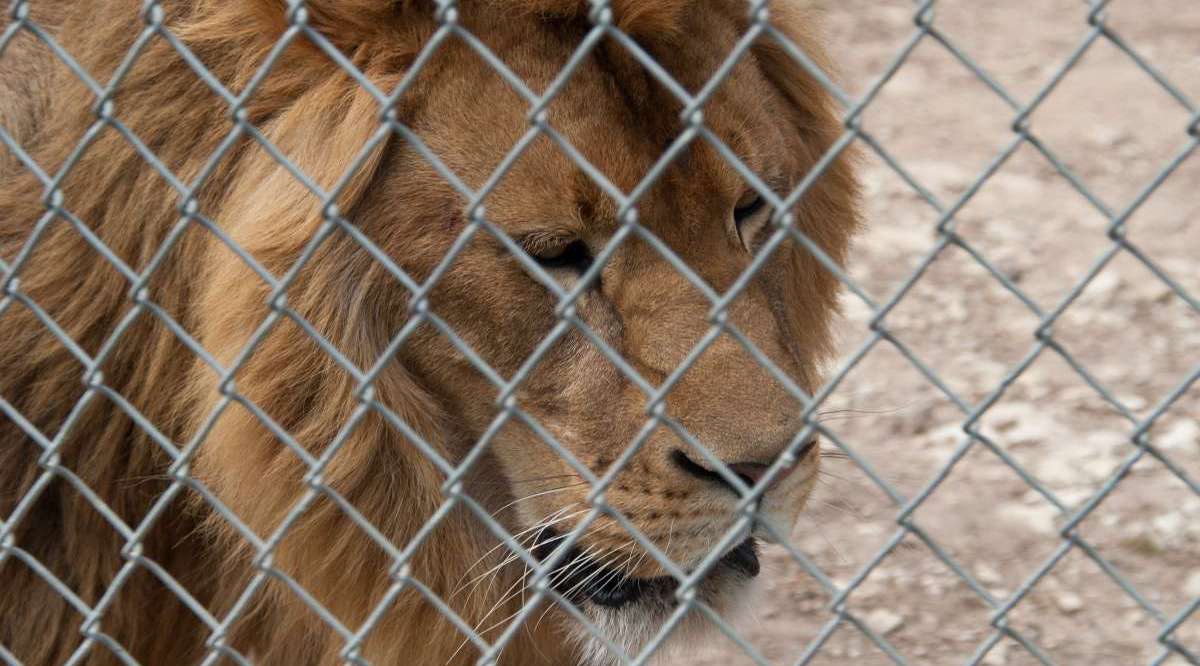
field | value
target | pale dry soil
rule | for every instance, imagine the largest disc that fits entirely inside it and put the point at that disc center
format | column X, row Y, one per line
column 1115, row 129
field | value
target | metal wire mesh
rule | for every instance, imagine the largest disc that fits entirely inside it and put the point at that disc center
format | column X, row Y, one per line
column 1092, row 29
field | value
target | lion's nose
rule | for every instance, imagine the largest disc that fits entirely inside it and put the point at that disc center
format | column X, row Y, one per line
column 753, row 472
column 750, row 472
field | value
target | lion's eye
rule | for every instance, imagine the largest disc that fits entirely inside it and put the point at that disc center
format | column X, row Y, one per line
column 574, row 255
column 749, row 217
column 747, row 207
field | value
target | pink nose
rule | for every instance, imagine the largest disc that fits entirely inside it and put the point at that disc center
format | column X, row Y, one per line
column 754, row 471
column 750, row 472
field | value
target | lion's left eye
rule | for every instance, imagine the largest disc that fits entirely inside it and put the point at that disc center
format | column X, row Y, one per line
column 749, row 217
column 747, row 207
column 574, row 255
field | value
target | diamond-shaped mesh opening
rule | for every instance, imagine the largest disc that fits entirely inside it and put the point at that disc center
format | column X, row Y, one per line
column 1155, row 221
column 33, row 51
column 902, row 233
column 962, row 351
column 1019, row 50
column 1010, row 222
column 52, row 306
column 1058, row 429
column 333, row 296
column 1096, row 326
column 920, row 425
column 1134, row 546
column 1114, row 158
column 1070, row 610
column 934, row 144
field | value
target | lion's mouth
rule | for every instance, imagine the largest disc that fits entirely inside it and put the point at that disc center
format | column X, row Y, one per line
column 580, row 578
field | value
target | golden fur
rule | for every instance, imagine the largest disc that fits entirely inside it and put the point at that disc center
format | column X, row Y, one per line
column 770, row 113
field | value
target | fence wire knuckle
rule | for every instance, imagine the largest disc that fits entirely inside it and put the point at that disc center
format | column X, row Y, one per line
column 145, row 301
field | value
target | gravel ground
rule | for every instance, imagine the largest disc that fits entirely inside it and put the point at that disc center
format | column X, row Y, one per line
column 1112, row 126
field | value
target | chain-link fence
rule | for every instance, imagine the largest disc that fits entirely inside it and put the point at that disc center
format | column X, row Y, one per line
column 548, row 561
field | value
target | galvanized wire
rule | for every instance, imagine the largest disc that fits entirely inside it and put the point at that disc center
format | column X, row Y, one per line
column 1093, row 29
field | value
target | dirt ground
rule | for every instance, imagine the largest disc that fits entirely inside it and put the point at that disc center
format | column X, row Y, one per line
column 1115, row 129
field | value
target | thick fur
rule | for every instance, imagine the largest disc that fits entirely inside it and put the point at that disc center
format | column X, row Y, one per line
column 775, row 117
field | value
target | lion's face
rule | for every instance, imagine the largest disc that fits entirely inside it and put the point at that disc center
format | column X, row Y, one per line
column 640, row 306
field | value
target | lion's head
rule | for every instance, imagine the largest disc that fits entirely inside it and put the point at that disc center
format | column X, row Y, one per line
column 488, row 362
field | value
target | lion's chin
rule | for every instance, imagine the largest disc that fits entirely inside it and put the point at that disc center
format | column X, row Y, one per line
column 585, row 580
column 630, row 612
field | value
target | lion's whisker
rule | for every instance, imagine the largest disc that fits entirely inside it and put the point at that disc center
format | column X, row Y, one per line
column 622, row 569
column 504, row 597
column 540, row 494
column 551, row 519
column 538, row 544
column 837, row 551
column 520, row 581
column 506, row 483
column 842, row 508
column 509, row 594
column 856, row 411
column 602, row 562
column 826, row 475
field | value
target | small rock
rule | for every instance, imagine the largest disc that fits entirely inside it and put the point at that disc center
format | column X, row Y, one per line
column 1017, row 186
column 1032, row 496
column 1099, row 467
column 931, row 585
column 998, row 655
column 1107, row 136
column 954, row 311
column 1191, row 506
column 1038, row 518
column 1168, row 527
column 942, row 175
column 1081, row 396
column 1068, row 602
column 869, row 529
column 1182, row 435
column 1134, row 403
column 883, row 621
column 943, row 436
column 1102, row 287
column 1151, row 291
column 1038, row 391
column 1192, row 586
column 1111, row 441
column 1022, row 423
column 1075, row 497
column 1135, row 618
column 987, row 575
column 1062, row 471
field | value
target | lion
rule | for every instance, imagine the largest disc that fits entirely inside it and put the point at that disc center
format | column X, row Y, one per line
column 254, row 413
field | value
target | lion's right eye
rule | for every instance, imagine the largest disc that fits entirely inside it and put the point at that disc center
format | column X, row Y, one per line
column 574, row 255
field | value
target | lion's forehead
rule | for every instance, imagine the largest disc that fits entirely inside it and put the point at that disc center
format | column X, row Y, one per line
column 612, row 123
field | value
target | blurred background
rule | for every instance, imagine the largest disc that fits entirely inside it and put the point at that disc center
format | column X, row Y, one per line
column 1116, row 130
